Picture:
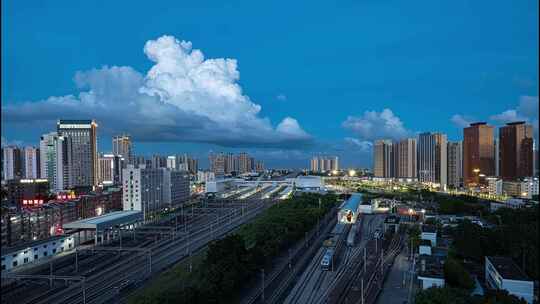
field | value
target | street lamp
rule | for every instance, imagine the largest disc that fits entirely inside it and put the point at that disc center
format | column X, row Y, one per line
column 352, row 173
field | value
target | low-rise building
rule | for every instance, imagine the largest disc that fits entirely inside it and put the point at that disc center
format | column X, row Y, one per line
column 429, row 232
column 424, row 247
column 503, row 273
column 431, row 272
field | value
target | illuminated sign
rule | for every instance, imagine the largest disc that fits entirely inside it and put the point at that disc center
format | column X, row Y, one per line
column 72, row 126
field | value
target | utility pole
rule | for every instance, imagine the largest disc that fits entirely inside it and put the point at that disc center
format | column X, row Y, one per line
column 76, row 260
column 51, row 274
column 262, row 271
column 362, row 288
column 365, row 260
column 289, row 258
column 84, row 290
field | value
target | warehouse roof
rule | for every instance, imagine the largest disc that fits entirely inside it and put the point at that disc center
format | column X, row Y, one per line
column 107, row 220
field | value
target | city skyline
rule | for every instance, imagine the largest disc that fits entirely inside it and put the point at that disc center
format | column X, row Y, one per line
column 377, row 90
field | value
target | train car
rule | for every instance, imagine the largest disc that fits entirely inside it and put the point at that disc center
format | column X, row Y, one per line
column 348, row 211
column 327, row 260
column 351, row 238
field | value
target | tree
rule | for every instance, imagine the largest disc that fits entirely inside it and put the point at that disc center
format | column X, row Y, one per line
column 501, row 297
column 456, row 275
column 445, row 295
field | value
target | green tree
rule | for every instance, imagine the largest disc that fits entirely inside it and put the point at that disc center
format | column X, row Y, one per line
column 446, row 295
column 456, row 275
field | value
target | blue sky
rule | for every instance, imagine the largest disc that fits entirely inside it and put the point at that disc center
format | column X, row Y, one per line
column 332, row 68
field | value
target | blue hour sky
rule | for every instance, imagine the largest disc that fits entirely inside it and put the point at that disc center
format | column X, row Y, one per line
column 305, row 77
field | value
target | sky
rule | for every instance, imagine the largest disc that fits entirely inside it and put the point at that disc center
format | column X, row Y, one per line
column 283, row 80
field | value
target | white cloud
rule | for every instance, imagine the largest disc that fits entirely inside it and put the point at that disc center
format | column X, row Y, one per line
column 507, row 116
column 461, row 121
column 183, row 97
column 362, row 145
column 375, row 125
column 527, row 110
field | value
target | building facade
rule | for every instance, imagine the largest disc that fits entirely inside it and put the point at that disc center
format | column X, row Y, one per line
column 55, row 157
column 478, row 154
column 433, row 158
column 83, row 160
column 516, row 150
column 455, row 164
column 123, row 146
column 31, row 162
column 406, row 158
column 12, row 163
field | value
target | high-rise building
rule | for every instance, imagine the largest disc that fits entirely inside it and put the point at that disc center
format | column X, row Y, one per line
column 83, row 163
column 259, row 167
column 478, row 154
column 122, row 146
column 217, row 164
column 55, row 153
column 324, row 163
column 405, row 158
column 12, row 163
column 516, row 150
column 151, row 190
column 31, row 162
column 175, row 187
column 171, row 162
column 536, row 157
column 383, row 158
column 432, row 158
column 158, row 161
column 110, row 169
column 455, row 164
column 244, row 162
column 497, row 156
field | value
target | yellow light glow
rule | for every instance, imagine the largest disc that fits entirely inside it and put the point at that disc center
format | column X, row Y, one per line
column 352, row 173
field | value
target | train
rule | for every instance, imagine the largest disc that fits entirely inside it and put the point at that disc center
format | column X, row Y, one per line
column 351, row 238
column 333, row 246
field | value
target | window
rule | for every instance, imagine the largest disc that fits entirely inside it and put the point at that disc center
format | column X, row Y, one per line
column 45, row 253
column 44, row 246
column 61, row 248
column 70, row 245
column 54, row 243
column 36, row 257
column 25, row 260
column 35, row 249
column 15, row 263
column 26, row 251
column 54, row 251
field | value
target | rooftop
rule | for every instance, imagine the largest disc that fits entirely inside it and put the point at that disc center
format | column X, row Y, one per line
column 429, row 228
column 425, row 243
column 392, row 219
column 433, row 267
column 353, row 202
column 8, row 250
column 507, row 268
column 107, row 220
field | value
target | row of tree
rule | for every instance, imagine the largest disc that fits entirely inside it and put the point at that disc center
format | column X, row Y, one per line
column 450, row 295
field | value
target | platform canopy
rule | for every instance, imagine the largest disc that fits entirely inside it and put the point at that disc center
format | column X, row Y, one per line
column 108, row 220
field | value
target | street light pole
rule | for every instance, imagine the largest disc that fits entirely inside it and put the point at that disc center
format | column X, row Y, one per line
column 262, row 271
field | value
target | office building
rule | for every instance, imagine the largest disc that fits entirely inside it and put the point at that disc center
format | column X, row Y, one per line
column 83, row 158
column 455, row 164
column 433, row 158
column 497, row 156
column 31, row 162
column 171, row 162
column 122, row 146
column 478, row 154
column 502, row 273
column 12, row 163
column 55, row 159
column 516, row 150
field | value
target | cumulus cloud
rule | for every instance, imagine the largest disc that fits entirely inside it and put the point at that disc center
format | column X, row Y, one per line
column 183, row 97
column 361, row 145
column 527, row 110
column 375, row 125
column 461, row 121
